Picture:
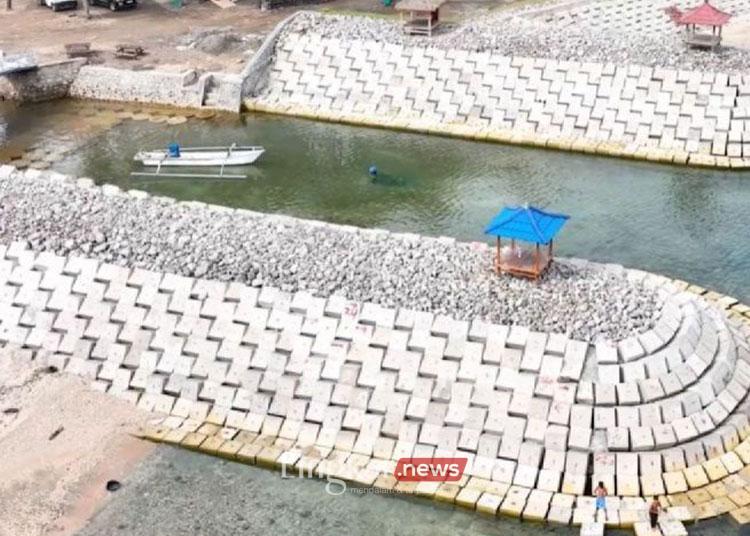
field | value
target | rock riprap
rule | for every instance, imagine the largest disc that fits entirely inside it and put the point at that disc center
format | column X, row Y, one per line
column 610, row 31
column 437, row 275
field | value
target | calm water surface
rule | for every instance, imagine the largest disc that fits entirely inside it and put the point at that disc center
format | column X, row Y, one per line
column 688, row 223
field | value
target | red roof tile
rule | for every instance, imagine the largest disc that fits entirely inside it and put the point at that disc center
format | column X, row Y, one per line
column 705, row 15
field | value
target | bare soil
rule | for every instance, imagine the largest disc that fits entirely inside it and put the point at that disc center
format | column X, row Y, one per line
column 60, row 443
column 161, row 29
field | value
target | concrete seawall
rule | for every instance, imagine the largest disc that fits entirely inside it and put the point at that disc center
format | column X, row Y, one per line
column 47, row 82
column 648, row 113
column 344, row 388
column 185, row 89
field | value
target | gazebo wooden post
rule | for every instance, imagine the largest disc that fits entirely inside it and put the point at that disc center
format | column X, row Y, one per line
column 536, row 260
column 497, row 257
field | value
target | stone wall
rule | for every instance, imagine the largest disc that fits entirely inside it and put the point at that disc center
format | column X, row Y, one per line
column 185, row 89
column 633, row 111
column 47, row 82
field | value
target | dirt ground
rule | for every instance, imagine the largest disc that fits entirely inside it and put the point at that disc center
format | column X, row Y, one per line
column 162, row 29
column 60, row 443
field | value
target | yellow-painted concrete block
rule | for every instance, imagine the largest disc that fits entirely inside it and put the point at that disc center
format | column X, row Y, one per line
column 468, row 497
column 174, row 437
column 499, row 136
column 515, row 500
column 211, row 444
column 741, row 515
column 229, row 449
column 248, row 453
column 679, row 499
column 478, row 483
column 561, row 144
column 426, row 489
column 675, row 482
column 723, row 162
column 732, row 462
column 722, row 505
column 267, row 456
column 740, row 497
column 385, row 482
column 535, row 511
column 714, row 469
column 152, row 432
column 488, row 503
column 365, row 477
column 699, row 496
column 695, row 289
column 680, row 513
column 209, row 429
column 717, row 489
column 447, row 492
column 702, row 160
column 193, row 440
column 406, row 487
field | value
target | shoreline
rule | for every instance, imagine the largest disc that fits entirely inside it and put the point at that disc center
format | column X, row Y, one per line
column 438, row 275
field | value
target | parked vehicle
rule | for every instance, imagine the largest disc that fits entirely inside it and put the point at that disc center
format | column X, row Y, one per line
column 114, row 5
column 59, row 5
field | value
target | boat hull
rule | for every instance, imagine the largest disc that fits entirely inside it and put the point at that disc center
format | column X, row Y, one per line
column 237, row 157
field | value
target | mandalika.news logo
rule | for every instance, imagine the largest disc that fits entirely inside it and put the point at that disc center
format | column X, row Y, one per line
column 430, row 469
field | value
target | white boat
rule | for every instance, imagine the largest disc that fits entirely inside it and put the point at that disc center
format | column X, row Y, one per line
column 235, row 155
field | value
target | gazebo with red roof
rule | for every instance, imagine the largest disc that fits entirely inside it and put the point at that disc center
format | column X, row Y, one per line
column 701, row 16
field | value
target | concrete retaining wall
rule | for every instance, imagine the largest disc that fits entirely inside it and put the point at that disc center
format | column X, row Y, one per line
column 47, row 82
column 632, row 111
column 254, row 73
column 185, row 89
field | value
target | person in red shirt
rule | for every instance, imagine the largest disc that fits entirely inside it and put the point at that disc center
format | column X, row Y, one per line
column 653, row 512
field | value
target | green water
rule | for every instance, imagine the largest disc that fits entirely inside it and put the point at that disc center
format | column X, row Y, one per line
column 687, row 223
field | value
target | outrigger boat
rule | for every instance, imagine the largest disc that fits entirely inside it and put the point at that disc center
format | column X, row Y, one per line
column 175, row 155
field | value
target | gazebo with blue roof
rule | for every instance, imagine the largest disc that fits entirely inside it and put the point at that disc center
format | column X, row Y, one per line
column 525, row 224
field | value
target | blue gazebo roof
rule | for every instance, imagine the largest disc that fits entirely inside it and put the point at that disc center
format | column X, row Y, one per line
column 526, row 223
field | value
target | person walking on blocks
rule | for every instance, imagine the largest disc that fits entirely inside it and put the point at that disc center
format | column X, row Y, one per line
column 653, row 512
column 601, row 499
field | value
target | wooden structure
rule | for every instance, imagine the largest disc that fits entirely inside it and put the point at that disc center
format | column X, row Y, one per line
column 129, row 52
column 78, row 50
column 530, row 225
column 703, row 16
column 420, row 17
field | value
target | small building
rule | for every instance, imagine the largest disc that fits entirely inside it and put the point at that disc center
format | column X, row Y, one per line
column 703, row 16
column 420, row 17
column 528, row 225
